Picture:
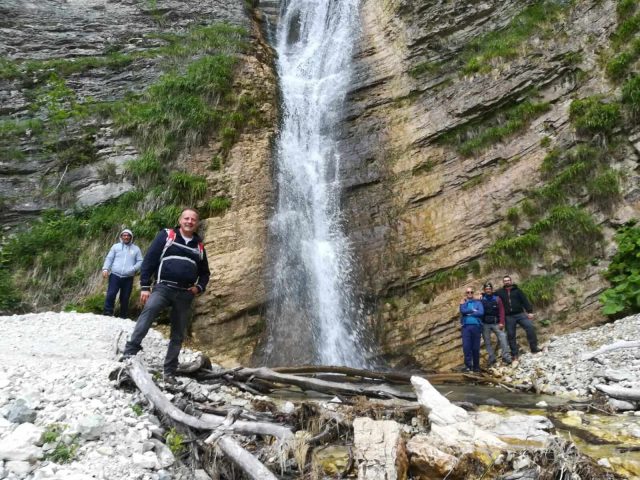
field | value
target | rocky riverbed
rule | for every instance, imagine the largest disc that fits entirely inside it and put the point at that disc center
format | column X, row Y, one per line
column 62, row 418
column 560, row 369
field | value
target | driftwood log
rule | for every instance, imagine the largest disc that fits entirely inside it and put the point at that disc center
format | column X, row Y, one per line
column 247, row 462
column 621, row 393
column 323, row 386
column 608, row 348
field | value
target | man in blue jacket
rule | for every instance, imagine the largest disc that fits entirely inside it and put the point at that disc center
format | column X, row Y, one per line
column 471, row 313
column 177, row 261
column 120, row 266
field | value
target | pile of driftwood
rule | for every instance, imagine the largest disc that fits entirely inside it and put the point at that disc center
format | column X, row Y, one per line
column 271, row 433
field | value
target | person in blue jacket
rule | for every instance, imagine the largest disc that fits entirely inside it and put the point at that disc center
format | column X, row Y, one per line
column 120, row 266
column 471, row 314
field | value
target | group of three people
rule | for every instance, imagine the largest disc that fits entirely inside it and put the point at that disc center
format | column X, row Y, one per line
column 178, row 263
column 492, row 313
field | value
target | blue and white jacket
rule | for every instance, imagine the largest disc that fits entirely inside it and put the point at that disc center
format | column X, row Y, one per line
column 471, row 312
column 182, row 265
column 123, row 260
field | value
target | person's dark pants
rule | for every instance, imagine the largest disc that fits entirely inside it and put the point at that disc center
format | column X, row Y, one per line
column 161, row 298
column 471, row 335
column 523, row 320
column 125, row 286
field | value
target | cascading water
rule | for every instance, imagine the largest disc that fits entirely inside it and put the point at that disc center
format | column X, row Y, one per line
column 312, row 317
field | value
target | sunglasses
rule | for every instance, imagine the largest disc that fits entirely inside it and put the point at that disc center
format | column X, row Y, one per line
column 469, row 291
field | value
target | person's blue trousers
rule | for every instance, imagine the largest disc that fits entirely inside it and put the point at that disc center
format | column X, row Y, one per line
column 124, row 285
column 471, row 335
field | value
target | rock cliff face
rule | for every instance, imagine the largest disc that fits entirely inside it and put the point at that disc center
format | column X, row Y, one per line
column 423, row 216
column 423, row 209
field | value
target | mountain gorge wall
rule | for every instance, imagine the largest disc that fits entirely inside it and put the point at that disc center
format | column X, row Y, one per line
column 422, row 215
column 423, row 209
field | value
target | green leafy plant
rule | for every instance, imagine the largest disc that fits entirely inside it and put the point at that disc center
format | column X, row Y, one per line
column 175, row 441
column 137, row 409
column 624, row 275
column 187, row 188
column 63, row 452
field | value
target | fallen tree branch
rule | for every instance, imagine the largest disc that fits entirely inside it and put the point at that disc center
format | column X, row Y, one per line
column 206, row 422
column 621, row 393
column 324, row 386
column 608, row 348
column 249, row 464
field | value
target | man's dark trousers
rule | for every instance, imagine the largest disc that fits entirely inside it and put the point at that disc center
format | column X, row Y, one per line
column 521, row 319
column 471, row 335
column 124, row 285
column 162, row 297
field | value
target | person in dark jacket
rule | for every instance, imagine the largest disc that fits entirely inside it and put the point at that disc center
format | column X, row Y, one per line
column 471, row 313
column 178, row 262
column 493, row 321
column 120, row 265
column 518, row 311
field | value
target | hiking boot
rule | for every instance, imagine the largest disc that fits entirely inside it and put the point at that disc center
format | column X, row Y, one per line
column 125, row 357
column 169, row 379
column 536, row 350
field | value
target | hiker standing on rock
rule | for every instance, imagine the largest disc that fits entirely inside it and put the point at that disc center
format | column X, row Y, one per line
column 120, row 266
column 471, row 313
column 493, row 321
column 518, row 311
column 178, row 262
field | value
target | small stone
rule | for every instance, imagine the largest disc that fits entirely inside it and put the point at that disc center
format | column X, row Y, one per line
column 20, row 412
column 604, row 462
column 542, row 404
column 201, row 475
column 521, row 462
column 147, row 460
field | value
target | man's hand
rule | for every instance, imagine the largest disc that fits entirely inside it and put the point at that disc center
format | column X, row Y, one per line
column 530, row 316
column 194, row 290
column 144, row 296
column 500, row 326
column 105, row 273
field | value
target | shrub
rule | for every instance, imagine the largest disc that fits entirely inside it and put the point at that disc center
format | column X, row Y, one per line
column 514, row 252
column 187, row 188
column 590, row 115
column 573, row 225
column 540, row 289
column 624, row 274
column 604, row 189
column 474, row 138
column 631, row 95
column 217, row 205
column 513, row 215
column 505, row 42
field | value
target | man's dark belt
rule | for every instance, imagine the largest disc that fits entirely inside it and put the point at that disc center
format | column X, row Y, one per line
column 490, row 320
column 178, row 285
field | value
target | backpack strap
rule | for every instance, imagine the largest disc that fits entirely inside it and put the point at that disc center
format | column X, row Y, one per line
column 201, row 249
column 171, row 236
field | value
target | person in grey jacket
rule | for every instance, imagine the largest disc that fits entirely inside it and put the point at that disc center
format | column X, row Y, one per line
column 120, row 266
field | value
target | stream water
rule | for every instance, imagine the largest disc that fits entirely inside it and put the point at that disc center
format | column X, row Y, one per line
column 313, row 316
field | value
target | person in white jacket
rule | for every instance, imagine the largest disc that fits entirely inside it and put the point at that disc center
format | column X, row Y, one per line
column 120, row 265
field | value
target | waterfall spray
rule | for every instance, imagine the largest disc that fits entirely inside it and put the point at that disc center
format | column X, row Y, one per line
column 312, row 317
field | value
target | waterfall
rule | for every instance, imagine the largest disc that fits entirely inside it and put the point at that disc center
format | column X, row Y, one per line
column 313, row 316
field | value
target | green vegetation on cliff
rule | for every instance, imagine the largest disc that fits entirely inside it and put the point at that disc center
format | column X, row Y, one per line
column 623, row 297
column 58, row 258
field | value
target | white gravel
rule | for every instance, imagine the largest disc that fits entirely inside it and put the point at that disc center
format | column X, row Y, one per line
column 560, row 370
column 57, row 365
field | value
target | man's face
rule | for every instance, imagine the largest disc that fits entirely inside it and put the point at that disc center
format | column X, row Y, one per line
column 488, row 290
column 469, row 293
column 506, row 281
column 188, row 221
column 126, row 238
